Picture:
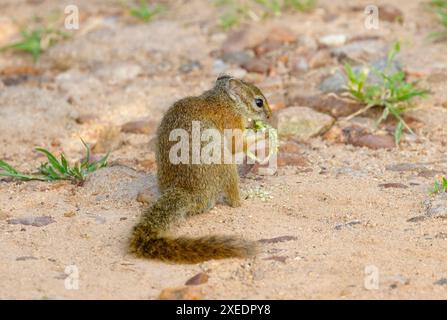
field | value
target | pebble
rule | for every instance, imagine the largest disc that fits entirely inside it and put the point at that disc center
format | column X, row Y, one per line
column 301, row 123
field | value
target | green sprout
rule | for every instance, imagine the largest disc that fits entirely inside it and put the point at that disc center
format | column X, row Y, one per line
column 440, row 9
column 55, row 169
column 145, row 12
column 301, row 5
column 260, row 126
column 236, row 11
column 36, row 41
column 439, row 186
column 393, row 93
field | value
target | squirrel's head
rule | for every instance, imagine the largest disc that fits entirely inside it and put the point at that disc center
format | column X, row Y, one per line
column 249, row 100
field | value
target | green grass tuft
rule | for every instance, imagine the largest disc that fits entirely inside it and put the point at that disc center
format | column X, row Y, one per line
column 57, row 169
column 145, row 12
column 439, row 186
column 440, row 9
column 36, row 41
column 237, row 11
column 394, row 93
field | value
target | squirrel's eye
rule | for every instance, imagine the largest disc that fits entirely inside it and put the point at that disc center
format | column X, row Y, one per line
column 259, row 102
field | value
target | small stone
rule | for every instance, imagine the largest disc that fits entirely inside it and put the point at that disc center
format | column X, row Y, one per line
column 331, row 104
column 390, row 13
column 289, row 147
column 238, row 58
column 333, row 40
column 301, row 123
column 393, row 185
column 372, row 141
column 242, row 39
column 298, row 65
column 417, row 219
column 185, row 293
column 334, row 134
column 402, row 167
column 25, row 258
column 291, row 159
column 321, row 59
column 257, row 65
column 281, row 34
column 441, row 282
column 190, row 66
column 199, row 278
column 86, row 118
column 437, row 207
column 139, row 127
column 33, row 221
column 277, row 258
column 219, row 67
column 278, row 239
column 347, row 224
column 69, row 214
column 362, row 50
column 267, row 46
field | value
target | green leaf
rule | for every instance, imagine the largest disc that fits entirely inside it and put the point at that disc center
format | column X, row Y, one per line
column 52, row 160
column 398, row 132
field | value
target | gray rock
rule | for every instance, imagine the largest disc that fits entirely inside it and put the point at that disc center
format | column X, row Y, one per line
column 441, row 282
column 33, row 221
column 302, row 123
column 363, row 50
column 437, row 207
column 339, row 81
column 238, row 58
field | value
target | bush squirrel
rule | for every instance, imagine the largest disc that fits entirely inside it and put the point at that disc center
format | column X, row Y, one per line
column 188, row 189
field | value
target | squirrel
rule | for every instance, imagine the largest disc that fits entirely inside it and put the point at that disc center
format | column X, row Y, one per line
column 189, row 189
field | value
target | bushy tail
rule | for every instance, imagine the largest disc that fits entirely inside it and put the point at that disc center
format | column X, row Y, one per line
column 149, row 237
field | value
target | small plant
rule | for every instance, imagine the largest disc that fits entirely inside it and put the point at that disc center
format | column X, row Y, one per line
column 393, row 93
column 55, row 169
column 36, row 41
column 440, row 9
column 300, row 5
column 440, row 185
column 145, row 12
column 235, row 11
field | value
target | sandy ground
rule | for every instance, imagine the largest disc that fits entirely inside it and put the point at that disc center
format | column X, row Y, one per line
column 334, row 216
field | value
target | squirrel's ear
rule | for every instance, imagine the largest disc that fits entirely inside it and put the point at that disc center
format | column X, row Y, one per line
column 234, row 89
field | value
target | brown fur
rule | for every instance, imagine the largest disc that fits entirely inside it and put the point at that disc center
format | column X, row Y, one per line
column 189, row 189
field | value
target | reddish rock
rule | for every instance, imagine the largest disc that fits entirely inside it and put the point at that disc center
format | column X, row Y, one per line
column 86, row 118
column 257, row 65
column 199, row 278
column 282, row 34
column 393, row 185
column 267, row 46
column 289, row 147
column 291, row 159
column 321, row 59
column 388, row 12
column 185, row 293
column 139, row 127
column 331, row 103
column 373, row 141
